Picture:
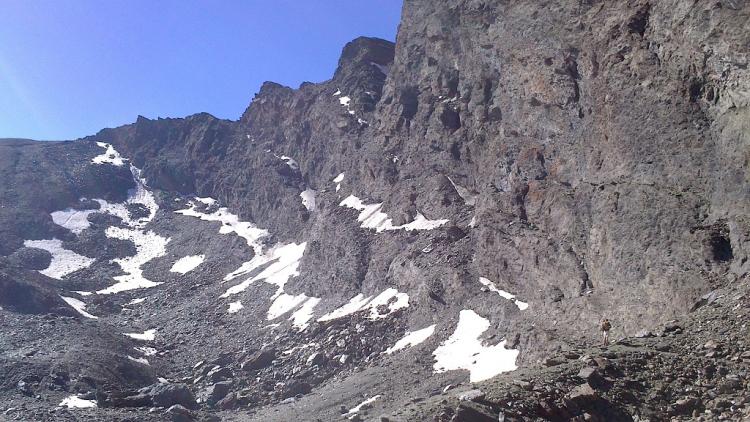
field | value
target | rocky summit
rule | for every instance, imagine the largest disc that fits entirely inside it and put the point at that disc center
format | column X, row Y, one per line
column 433, row 234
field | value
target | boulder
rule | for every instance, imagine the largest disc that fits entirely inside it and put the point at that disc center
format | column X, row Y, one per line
column 167, row 395
column 259, row 360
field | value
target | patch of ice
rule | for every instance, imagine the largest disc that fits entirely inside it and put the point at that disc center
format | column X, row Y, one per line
column 371, row 217
column 490, row 285
column 74, row 220
column 110, row 156
column 302, row 316
column 78, row 305
column 308, row 199
column 148, row 245
column 75, row 402
column 391, row 298
column 63, row 262
column 354, row 410
column 285, row 261
column 235, row 307
column 186, row 264
column 464, row 350
column 142, row 361
column 148, row 335
column 411, row 339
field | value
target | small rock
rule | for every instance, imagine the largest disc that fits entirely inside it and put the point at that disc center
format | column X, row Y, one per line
column 178, row 413
column 472, row 395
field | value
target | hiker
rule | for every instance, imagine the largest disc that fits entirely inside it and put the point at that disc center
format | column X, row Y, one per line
column 605, row 327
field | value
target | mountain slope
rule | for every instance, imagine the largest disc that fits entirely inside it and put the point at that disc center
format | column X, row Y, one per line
column 507, row 171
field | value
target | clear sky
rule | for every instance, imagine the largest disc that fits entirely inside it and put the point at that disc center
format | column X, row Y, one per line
column 69, row 68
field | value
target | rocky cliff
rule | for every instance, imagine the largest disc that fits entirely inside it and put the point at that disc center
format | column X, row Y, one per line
column 539, row 164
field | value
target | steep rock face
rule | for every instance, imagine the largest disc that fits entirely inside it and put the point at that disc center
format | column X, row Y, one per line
column 599, row 150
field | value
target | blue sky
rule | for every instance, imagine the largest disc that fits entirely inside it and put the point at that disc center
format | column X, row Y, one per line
column 70, row 68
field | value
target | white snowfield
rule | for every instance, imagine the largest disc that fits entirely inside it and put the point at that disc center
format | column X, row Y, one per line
column 371, row 217
column 411, row 339
column 285, row 261
column 63, row 262
column 78, row 305
column 187, row 263
column 230, row 223
column 391, row 298
column 148, row 245
column 110, row 156
column 308, row 199
column 75, row 402
column 464, row 350
column 148, row 335
column 490, row 285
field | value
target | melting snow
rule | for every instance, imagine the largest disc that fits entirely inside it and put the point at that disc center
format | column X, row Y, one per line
column 148, row 245
column 63, row 262
column 148, row 335
column 143, row 361
column 146, row 351
column 285, row 260
column 235, row 307
column 464, row 350
column 78, row 305
column 371, row 217
column 230, row 223
column 301, row 318
column 75, row 402
column 521, row 305
column 411, row 339
column 354, row 410
column 338, row 180
column 291, row 162
column 308, row 199
column 392, row 298
column 73, row 220
column 186, row 264
column 110, row 156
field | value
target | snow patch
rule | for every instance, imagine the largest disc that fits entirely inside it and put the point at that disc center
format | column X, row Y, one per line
column 345, row 101
column 464, row 350
column 235, row 307
column 354, row 410
column 490, row 285
column 371, row 217
column 148, row 335
column 301, row 317
column 291, row 162
column 411, row 339
column 137, row 301
column 391, row 298
column 308, row 199
column 110, row 156
column 142, row 361
column 75, row 402
column 146, row 351
column 78, row 305
column 63, row 262
column 338, row 180
column 74, row 220
column 285, row 260
column 148, row 245
column 186, row 264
